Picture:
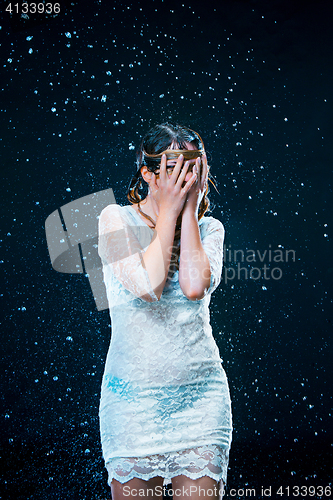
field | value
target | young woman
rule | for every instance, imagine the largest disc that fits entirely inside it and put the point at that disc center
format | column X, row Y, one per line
column 165, row 407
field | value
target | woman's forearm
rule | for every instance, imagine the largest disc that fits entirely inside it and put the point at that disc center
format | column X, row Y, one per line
column 194, row 268
column 158, row 255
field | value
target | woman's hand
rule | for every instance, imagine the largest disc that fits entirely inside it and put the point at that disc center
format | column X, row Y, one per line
column 198, row 188
column 194, row 267
column 171, row 191
column 168, row 194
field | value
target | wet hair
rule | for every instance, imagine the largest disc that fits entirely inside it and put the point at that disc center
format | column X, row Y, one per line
column 158, row 140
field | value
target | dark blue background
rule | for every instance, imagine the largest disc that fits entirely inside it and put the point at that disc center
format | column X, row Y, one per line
column 255, row 79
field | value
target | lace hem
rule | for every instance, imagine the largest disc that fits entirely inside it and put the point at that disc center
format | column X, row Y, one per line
column 209, row 460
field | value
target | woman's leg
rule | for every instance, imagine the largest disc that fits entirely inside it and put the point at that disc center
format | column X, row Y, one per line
column 196, row 489
column 138, row 488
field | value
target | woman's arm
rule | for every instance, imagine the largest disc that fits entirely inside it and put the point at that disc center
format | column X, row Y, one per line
column 169, row 196
column 194, row 266
column 144, row 273
column 157, row 257
column 121, row 248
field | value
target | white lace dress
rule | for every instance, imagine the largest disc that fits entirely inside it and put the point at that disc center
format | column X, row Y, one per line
column 165, row 405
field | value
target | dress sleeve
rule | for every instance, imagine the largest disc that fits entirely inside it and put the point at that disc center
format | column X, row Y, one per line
column 212, row 242
column 120, row 246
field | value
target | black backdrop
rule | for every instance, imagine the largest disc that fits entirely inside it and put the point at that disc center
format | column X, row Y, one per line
column 78, row 89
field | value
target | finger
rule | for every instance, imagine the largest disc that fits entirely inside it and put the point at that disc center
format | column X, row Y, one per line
column 163, row 169
column 198, row 169
column 178, row 166
column 204, row 171
column 183, row 173
column 190, row 183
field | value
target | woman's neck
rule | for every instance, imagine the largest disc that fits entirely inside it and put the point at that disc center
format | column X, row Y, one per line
column 149, row 207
